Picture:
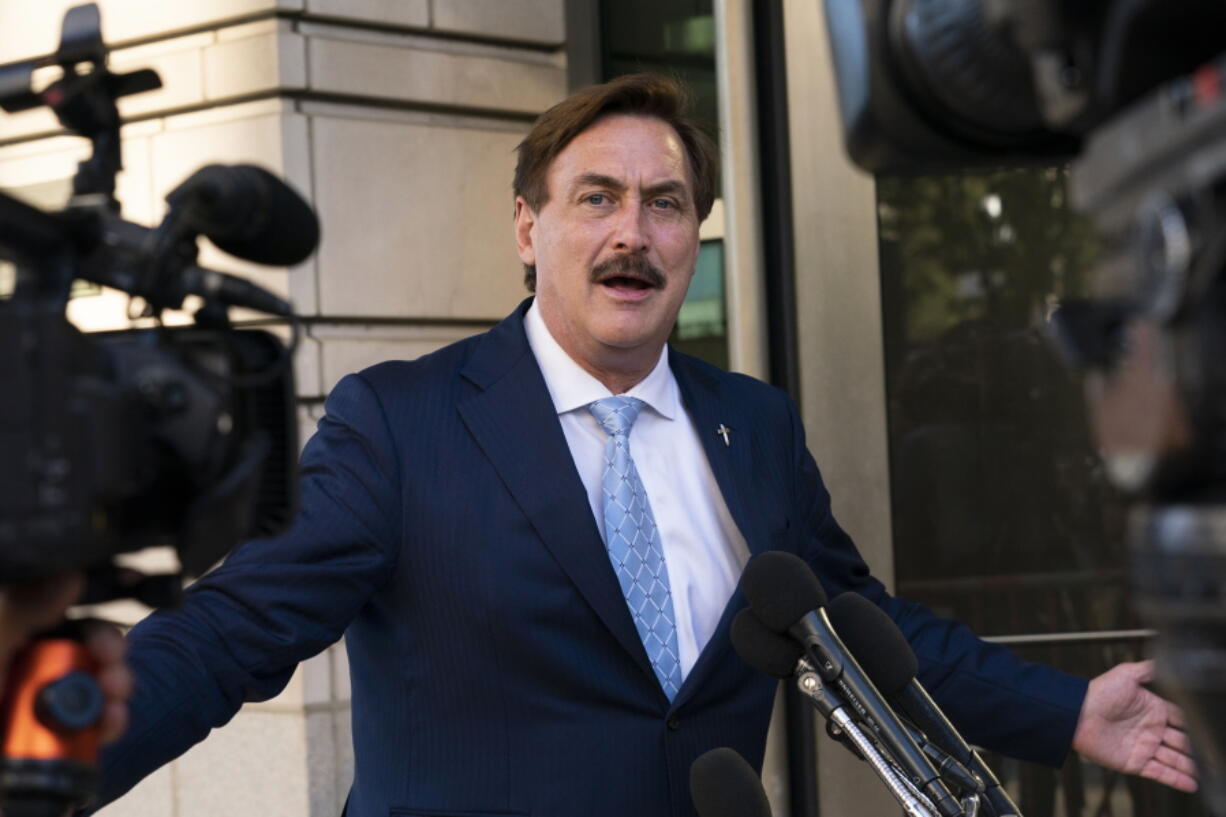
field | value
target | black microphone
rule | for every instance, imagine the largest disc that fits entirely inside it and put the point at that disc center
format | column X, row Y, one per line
column 722, row 784
column 248, row 212
column 883, row 652
column 786, row 596
column 777, row 655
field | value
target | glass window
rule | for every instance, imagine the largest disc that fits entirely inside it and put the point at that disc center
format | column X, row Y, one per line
column 1002, row 514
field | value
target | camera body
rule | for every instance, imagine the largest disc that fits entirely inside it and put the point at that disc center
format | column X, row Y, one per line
column 115, row 442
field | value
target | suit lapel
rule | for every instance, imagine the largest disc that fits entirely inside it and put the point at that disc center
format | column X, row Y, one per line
column 516, row 425
column 732, row 463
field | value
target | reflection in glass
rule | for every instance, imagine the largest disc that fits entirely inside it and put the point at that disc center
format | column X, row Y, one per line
column 1002, row 516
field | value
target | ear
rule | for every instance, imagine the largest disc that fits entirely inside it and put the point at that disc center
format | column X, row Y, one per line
column 525, row 233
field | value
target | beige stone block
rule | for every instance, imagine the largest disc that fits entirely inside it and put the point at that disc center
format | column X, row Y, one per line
column 34, row 122
column 32, row 27
column 152, row 796
column 417, row 220
column 316, row 675
column 342, row 727
column 537, row 21
column 242, row 31
column 322, row 764
column 409, row 13
column 256, row 64
column 182, row 83
column 341, row 689
column 255, row 766
column 361, row 348
column 308, row 381
column 435, row 77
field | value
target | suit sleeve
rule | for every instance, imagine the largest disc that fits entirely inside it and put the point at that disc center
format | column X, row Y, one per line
column 243, row 628
column 997, row 700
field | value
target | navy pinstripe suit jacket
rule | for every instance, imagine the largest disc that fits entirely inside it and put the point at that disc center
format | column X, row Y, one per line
column 495, row 668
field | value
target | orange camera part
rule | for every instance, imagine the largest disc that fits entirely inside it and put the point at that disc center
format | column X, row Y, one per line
column 52, row 706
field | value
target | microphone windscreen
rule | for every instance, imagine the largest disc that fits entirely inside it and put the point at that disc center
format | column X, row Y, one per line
column 722, row 784
column 875, row 640
column 781, row 589
column 249, row 213
column 762, row 648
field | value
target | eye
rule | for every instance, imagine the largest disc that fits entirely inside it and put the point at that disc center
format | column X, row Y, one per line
column 664, row 204
column 596, row 199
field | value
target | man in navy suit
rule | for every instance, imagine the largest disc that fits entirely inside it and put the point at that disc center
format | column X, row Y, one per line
column 531, row 539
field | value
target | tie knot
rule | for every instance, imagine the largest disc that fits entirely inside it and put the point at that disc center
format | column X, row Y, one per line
column 616, row 414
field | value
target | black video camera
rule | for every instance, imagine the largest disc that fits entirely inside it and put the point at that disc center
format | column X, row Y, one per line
column 114, row 442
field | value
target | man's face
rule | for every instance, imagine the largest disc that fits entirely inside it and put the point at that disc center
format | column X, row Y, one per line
column 616, row 243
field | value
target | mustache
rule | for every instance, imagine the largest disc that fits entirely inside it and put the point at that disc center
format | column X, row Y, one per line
column 630, row 265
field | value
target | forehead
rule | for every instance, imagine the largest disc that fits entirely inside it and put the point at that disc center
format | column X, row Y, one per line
column 638, row 150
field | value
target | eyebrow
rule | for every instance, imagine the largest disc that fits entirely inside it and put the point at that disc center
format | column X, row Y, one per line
column 618, row 186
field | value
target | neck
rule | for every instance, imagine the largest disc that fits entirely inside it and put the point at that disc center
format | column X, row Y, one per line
column 617, row 369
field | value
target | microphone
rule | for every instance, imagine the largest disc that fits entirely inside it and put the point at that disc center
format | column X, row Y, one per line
column 778, row 656
column 248, row 212
column 785, row 595
column 883, row 652
column 722, row 784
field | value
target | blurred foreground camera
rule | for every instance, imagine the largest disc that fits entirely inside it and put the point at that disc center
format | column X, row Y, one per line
column 1131, row 94
column 115, row 442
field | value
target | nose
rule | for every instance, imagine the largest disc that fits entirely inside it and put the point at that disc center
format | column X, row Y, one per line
column 630, row 231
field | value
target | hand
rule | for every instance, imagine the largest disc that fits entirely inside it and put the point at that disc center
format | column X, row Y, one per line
column 28, row 608
column 1124, row 726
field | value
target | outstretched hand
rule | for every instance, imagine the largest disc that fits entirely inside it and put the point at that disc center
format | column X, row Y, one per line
column 1124, row 726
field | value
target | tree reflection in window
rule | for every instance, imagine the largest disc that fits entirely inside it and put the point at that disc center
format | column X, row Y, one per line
column 1002, row 516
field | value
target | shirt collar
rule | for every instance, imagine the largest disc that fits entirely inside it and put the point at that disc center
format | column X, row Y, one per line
column 571, row 387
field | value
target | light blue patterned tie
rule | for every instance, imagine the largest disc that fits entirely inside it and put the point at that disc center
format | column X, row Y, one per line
column 634, row 543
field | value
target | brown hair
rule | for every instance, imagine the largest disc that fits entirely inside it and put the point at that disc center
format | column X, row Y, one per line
column 637, row 94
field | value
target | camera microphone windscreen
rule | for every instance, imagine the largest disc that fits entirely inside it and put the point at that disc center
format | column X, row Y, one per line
column 249, row 213
column 722, row 784
column 762, row 648
column 781, row 589
column 875, row 640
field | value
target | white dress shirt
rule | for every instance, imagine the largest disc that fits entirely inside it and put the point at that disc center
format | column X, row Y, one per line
column 704, row 550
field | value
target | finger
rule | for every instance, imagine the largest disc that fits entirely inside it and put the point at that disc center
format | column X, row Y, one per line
column 116, row 682
column 1143, row 671
column 114, row 721
column 1179, row 761
column 1168, row 776
column 1174, row 716
column 1177, row 739
column 105, row 643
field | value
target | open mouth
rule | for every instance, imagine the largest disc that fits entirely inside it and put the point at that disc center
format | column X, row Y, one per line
column 628, row 273
column 626, row 282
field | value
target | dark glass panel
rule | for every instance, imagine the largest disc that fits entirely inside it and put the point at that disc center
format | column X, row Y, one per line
column 672, row 37
column 1002, row 516
column 702, row 328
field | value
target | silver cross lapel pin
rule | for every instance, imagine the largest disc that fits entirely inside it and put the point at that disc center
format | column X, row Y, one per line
column 724, row 432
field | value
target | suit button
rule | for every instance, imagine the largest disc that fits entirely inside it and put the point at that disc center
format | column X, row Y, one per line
column 674, row 723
